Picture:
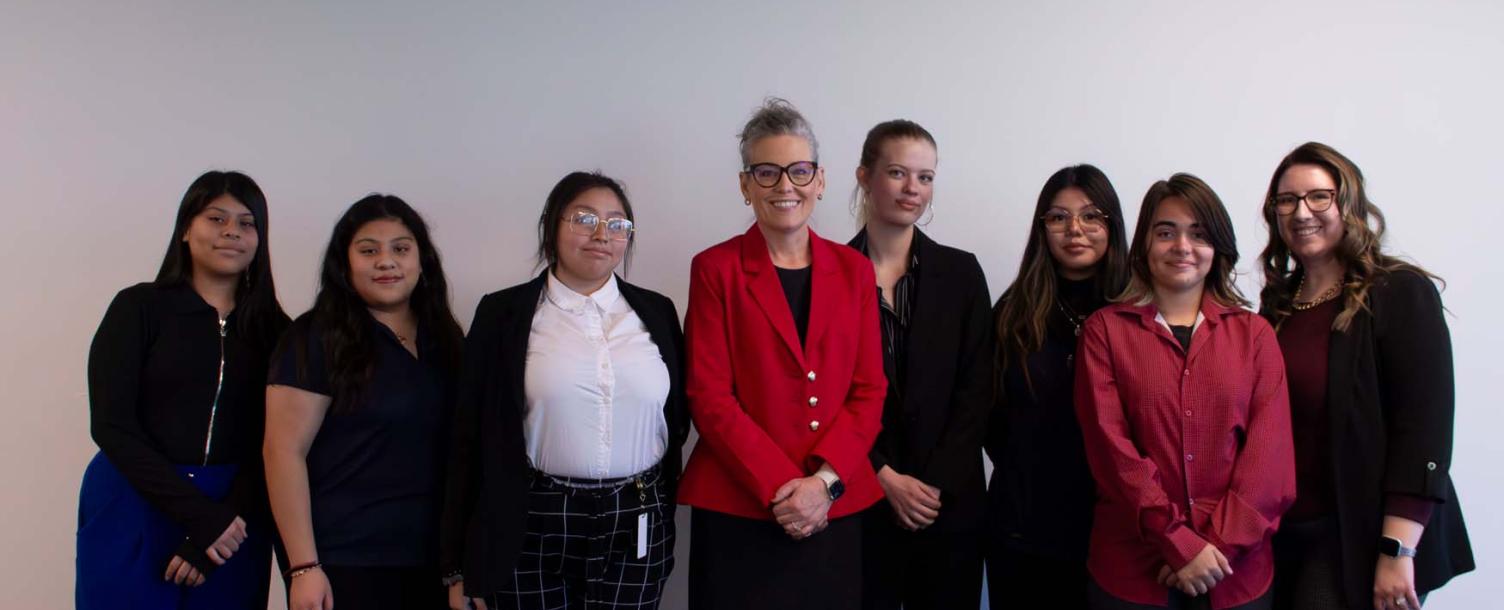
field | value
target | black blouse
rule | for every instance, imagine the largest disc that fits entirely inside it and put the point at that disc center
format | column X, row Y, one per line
column 154, row 373
column 375, row 473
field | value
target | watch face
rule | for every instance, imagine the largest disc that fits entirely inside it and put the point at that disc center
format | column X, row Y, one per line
column 836, row 489
column 1389, row 546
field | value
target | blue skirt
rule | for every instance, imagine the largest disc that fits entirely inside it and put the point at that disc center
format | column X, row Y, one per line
column 124, row 546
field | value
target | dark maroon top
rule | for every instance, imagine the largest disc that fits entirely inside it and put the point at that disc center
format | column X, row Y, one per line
column 1303, row 339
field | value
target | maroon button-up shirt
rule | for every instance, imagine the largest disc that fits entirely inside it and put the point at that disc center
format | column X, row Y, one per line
column 1188, row 449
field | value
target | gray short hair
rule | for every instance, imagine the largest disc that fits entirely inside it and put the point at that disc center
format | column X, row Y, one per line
column 776, row 117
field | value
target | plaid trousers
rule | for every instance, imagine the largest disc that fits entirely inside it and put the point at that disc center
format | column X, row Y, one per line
column 580, row 549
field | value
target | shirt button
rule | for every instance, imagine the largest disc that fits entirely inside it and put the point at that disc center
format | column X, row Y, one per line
column 1187, row 412
column 1430, row 465
column 1191, row 501
column 1189, row 457
column 1188, row 372
column 814, row 425
column 810, row 376
column 813, row 401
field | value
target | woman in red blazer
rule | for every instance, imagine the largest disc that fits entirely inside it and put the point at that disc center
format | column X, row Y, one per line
column 786, row 387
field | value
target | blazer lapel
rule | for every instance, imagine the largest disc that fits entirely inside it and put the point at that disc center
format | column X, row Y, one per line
column 923, row 321
column 652, row 319
column 1341, row 354
column 517, row 330
column 823, row 286
column 767, row 292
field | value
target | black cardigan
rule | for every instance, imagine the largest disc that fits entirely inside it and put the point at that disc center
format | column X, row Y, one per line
column 934, row 433
column 153, row 372
column 485, row 506
column 1391, row 400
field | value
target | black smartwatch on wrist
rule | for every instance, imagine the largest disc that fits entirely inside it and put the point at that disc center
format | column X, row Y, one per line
column 1392, row 547
column 835, row 489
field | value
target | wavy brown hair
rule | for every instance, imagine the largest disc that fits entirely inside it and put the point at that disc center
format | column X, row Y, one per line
column 1361, row 250
column 1024, row 308
column 1211, row 215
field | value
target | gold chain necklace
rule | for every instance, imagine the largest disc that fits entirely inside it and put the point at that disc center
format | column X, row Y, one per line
column 1322, row 298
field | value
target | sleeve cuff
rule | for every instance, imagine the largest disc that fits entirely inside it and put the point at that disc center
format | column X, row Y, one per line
column 1414, row 508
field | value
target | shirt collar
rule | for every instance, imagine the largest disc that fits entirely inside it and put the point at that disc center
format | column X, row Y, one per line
column 567, row 299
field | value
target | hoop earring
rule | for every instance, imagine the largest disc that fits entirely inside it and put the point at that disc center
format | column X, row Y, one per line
column 930, row 212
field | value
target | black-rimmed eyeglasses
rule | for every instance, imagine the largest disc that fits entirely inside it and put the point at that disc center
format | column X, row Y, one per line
column 1319, row 200
column 767, row 175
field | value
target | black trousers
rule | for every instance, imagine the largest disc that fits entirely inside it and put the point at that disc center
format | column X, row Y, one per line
column 1102, row 600
column 924, row 570
column 749, row 564
column 386, row 588
column 581, row 548
column 1308, row 567
column 1017, row 580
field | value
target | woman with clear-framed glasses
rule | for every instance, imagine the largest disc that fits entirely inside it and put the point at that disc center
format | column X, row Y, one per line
column 786, row 386
column 1369, row 358
column 1041, row 496
column 569, row 420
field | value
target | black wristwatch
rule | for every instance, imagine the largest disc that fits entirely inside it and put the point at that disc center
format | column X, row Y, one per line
column 1394, row 548
column 835, row 489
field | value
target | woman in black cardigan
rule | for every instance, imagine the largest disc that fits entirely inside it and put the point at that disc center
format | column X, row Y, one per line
column 1040, row 500
column 1376, row 523
column 922, row 547
column 173, row 508
column 570, row 419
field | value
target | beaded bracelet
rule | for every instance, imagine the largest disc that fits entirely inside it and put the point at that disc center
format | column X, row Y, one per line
column 301, row 569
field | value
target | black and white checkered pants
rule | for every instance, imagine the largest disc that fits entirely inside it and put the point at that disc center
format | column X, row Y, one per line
column 580, row 550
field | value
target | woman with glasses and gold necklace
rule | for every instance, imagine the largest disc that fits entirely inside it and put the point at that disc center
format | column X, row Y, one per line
column 1040, row 500
column 786, row 388
column 1369, row 360
column 570, row 416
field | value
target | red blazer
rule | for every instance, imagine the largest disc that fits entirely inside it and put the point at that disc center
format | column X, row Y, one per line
column 767, row 410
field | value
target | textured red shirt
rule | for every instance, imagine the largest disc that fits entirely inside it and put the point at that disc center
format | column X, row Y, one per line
column 1187, row 448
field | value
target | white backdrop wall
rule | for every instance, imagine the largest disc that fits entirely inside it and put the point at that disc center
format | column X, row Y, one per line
column 471, row 111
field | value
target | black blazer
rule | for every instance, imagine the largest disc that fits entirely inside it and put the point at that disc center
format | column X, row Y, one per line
column 485, row 506
column 1390, row 398
column 935, row 432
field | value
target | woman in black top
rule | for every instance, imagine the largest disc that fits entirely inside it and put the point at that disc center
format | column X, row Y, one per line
column 922, row 548
column 1375, row 523
column 357, row 412
column 172, row 512
column 569, row 422
column 1041, row 495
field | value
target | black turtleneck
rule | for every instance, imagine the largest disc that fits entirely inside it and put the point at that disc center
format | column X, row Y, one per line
column 1041, row 494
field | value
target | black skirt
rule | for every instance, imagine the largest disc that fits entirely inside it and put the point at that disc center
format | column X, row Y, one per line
column 748, row 564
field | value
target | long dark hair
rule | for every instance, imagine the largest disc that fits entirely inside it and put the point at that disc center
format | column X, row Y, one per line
column 564, row 193
column 1209, row 212
column 1027, row 303
column 343, row 319
column 1361, row 250
column 259, row 316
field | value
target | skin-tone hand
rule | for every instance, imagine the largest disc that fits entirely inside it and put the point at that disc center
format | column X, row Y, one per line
column 1204, row 571
column 228, row 543
column 915, row 504
column 310, row 591
column 801, row 506
column 183, row 573
column 1394, row 577
column 458, row 601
